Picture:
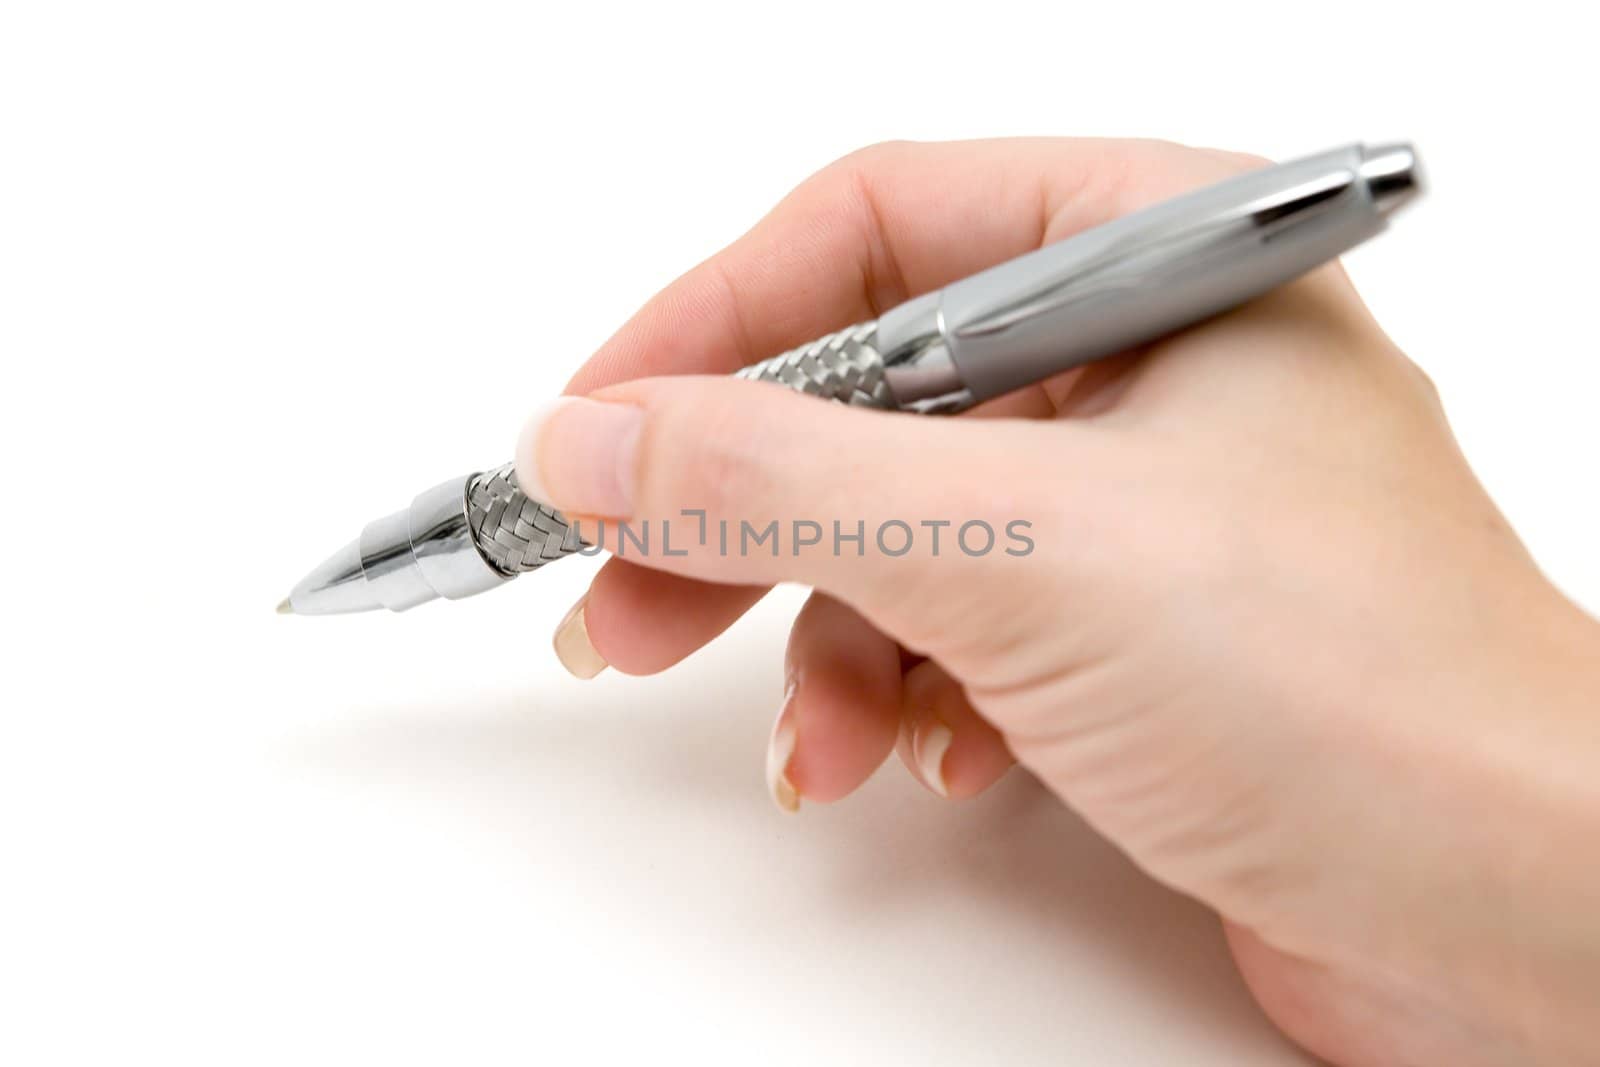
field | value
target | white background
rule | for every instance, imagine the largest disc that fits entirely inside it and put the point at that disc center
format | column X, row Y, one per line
column 268, row 269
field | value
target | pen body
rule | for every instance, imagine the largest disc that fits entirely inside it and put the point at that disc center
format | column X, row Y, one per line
column 1103, row 291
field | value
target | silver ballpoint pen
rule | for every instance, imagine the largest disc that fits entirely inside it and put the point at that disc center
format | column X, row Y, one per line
column 1098, row 293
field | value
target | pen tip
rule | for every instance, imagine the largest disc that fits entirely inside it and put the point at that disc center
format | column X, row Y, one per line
column 285, row 608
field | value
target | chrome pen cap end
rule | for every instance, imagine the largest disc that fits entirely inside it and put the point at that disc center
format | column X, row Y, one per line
column 1393, row 174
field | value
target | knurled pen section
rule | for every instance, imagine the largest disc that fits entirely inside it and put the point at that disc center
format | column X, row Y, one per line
column 843, row 366
column 516, row 533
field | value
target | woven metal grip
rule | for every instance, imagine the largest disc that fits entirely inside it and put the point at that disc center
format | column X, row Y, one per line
column 843, row 366
column 516, row 533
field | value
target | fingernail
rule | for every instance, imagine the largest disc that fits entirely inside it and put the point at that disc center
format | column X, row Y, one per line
column 780, row 750
column 578, row 454
column 929, row 748
column 573, row 647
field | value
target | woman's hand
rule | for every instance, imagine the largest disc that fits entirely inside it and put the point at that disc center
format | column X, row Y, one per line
column 1258, row 622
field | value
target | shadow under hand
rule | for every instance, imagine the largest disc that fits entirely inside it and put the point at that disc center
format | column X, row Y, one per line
column 1000, row 929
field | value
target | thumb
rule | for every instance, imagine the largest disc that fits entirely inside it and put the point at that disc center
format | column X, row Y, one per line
column 914, row 521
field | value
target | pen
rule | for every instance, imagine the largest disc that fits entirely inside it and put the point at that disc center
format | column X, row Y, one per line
column 1103, row 291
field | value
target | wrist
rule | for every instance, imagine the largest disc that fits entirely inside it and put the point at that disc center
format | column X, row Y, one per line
column 1540, row 771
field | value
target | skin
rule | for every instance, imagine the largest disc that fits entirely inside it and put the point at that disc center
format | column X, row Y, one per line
column 1274, row 638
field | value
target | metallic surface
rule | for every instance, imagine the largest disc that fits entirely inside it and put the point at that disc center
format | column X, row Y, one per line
column 513, row 531
column 401, row 560
column 917, row 361
column 1145, row 275
column 1104, row 291
column 843, row 366
column 1393, row 174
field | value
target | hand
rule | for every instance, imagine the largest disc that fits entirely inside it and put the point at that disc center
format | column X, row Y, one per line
column 1271, row 637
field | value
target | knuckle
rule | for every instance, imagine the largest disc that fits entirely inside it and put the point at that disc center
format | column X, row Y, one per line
column 870, row 157
column 837, row 187
column 1429, row 387
column 845, row 176
column 1424, row 379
